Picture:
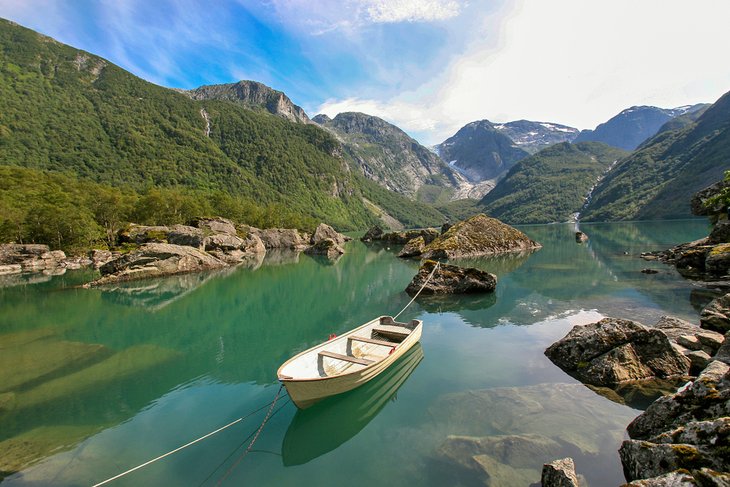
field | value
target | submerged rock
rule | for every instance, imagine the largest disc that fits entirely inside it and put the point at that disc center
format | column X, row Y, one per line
column 559, row 473
column 451, row 279
column 569, row 414
column 154, row 260
column 479, row 235
column 501, row 460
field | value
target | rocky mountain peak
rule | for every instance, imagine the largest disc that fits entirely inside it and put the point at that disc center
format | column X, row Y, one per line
column 386, row 154
column 321, row 119
column 480, row 151
column 534, row 136
column 252, row 94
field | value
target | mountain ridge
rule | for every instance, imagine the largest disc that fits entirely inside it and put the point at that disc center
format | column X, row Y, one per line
column 252, row 94
column 658, row 180
column 387, row 155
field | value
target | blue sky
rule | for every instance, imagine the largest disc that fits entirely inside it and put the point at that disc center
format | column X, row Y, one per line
column 430, row 66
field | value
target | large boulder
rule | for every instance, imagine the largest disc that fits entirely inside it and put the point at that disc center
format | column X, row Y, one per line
column 324, row 231
column 703, row 477
column 698, row 203
column 687, row 431
column 613, row 351
column 479, row 235
column 451, row 279
column 216, row 225
column 716, row 315
column 186, row 235
column 402, row 237
column 720, row 233
column 374, row 233
column 413, row 247
column 223, row 241
column 707, row 397
column 717, row 260
column 559, row 473
column 282, row 238
column 17, row 258
column 155, row 260
column 141, row 234
column 327, row 247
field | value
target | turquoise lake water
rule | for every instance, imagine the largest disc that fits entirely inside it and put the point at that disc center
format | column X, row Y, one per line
column 94, row 382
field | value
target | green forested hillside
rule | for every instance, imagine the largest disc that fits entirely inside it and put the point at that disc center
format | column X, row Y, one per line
column 551, row 185
column 65, row 110
column 658, row 180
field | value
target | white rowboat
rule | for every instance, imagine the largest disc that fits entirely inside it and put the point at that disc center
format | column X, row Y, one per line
column 347, row 361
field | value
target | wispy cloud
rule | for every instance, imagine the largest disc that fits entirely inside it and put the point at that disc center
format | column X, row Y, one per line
column 387, row 11
column 326, row 16
column 580, row 67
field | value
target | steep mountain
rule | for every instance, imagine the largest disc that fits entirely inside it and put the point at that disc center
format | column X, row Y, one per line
column 65, row 110
column 550, row 186
column 535, row 136
column 480, row 151
column 385, row 154
column 685, row 119
column 633, row 126
column 252, row 94
column 658, row 180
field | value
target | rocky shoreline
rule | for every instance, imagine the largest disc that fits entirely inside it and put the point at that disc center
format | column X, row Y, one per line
column 683, row 437
column 156, row 251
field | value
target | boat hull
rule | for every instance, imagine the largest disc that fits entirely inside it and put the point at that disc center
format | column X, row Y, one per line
column 306, row 392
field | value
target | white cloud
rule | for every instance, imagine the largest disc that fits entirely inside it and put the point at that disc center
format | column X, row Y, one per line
column 576, row 62
column 402, row 114
column 387, row 11
column 325, row 16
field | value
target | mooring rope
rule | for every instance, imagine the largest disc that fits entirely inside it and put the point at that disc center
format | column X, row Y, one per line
column 256, row 437
column 272, row 403
column 288, row 400
column 419, row 291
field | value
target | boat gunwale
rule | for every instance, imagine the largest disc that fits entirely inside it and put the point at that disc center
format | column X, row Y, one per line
column 358, row 371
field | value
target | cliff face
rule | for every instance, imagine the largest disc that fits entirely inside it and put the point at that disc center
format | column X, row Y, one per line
column 252, row 94
column 388, row 156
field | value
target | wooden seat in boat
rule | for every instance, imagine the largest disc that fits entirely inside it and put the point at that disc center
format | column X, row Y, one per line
column 382, row 332
column 345, row 358
column 373, row 341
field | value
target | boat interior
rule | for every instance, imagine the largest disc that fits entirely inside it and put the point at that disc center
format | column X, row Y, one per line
column 351, row 352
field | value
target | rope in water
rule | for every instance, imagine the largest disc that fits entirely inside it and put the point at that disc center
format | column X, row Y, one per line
column 419, row 291
column 250, row 445
column 268, row 415
column 225, row 460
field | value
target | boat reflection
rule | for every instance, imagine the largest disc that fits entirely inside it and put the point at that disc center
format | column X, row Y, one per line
column 331, row 423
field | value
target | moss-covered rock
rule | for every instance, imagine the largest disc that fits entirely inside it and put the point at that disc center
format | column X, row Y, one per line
column 479, row 235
